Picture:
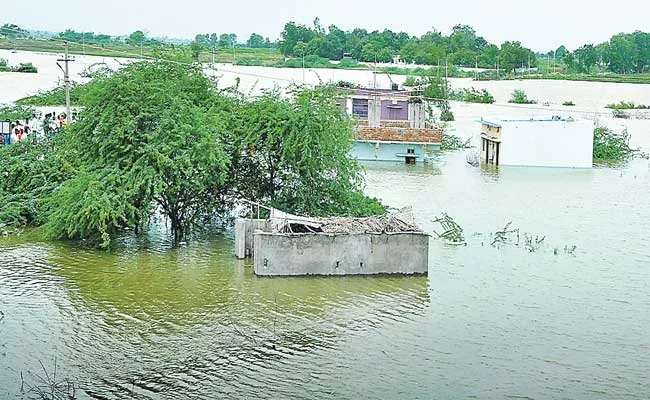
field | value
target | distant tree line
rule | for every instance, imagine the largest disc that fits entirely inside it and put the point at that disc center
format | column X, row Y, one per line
column 624, row 53
column 461, row 47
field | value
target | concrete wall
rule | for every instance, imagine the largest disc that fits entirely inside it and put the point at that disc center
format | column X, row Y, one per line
column 394, row 110
column 374, row 111
column 417, row 115
column 244, row 229
column 386, row 151
column 323, row 254
column 547, row 143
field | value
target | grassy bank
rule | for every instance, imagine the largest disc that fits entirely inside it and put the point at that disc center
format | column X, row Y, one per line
column 272, row 57
column 606, row 77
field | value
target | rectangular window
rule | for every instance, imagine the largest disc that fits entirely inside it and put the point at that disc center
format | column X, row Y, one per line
column 360, row 108
column 410, row 151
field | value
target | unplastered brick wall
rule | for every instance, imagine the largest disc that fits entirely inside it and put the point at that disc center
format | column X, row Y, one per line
column 394, row 124
column 386, row 134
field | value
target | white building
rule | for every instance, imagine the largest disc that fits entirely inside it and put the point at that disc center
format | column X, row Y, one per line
column 537, row 142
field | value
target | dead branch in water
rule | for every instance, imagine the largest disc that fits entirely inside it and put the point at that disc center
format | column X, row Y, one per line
column 452, row 232
column 48, row 388
column 503, row 236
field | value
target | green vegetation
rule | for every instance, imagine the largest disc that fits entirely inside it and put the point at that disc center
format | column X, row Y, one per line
column 157, row 138
column 610, row 147
column 520, row 97
column 23, row 67
column 462, row 47
column 56, row 96
column 472, row 96
column 14, row 113
column 451, row 142
column 624, row 58
column 568, row 103
column 601, row 77
column 627, row 106
column 436, row 91
column 624, row 53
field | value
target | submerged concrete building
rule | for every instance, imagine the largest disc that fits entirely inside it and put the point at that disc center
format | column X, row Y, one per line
column 537, row 142
column 390, row 125
column 288, row 245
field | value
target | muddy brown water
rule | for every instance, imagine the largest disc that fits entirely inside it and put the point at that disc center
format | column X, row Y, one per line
column 148, row 321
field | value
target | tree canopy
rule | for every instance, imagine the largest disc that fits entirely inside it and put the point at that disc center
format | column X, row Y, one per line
column 158, row 139
column 462, row 47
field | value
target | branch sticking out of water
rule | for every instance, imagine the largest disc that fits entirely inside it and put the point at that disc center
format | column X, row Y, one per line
column 504, row 235
column 48, row 388
column 452, row 232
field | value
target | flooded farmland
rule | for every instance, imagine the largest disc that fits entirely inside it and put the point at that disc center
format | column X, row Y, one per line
column 567, row 319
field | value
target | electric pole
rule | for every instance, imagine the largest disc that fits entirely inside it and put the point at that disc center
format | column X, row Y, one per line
column 66, row 79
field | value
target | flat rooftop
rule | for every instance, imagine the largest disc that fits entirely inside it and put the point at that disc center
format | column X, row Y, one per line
column 496, row 122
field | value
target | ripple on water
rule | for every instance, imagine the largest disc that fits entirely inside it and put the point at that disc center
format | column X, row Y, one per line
column 150, row 321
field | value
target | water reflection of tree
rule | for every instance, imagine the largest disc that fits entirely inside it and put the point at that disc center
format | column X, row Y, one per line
column 176, row 315
column 203, row 282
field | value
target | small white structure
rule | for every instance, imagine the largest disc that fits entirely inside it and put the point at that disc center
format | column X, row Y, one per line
column 537, row 142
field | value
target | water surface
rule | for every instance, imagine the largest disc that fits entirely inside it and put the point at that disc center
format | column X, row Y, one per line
column 148, row 321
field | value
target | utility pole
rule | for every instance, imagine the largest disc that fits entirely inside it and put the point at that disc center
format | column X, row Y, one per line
column 66, row 79
column 476, row 73
column 498, row 67
column 374, row 75
column 446, row 68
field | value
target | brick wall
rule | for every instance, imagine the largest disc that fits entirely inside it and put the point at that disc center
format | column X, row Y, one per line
column 394, row 124
column 400, row 134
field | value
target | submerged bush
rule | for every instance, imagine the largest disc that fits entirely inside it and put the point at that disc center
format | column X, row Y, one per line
column 473, row 96
column 626, row 106
column 611, row 147
column 452, row 142
column 520, row 97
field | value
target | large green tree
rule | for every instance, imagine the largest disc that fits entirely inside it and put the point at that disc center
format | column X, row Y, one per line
column 296, row 155
column 150, row 139
column 12, row 31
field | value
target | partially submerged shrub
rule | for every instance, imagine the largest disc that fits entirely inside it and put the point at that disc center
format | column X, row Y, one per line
column 626, row 106
column 520, row 97
column 611, row 147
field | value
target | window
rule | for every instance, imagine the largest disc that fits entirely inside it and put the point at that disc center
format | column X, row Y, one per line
column 410, row 151
column 484, row 141
column 360, row 108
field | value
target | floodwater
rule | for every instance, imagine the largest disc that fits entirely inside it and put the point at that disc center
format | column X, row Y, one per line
column 568, row 320
column 147, row 321
column 590, row 98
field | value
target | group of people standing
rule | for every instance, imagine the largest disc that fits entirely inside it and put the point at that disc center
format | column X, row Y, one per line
column 23, row 130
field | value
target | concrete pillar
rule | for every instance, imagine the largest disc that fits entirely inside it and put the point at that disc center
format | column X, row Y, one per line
column 416, row 115
column 374, row 111
column 240, row 238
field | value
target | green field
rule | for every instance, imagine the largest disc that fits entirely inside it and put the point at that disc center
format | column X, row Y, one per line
column 272, row 57
column 221, row 55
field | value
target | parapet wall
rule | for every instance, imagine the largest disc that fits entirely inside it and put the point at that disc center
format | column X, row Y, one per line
column 388, row 134
column 353, row 254
column 244, row 229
